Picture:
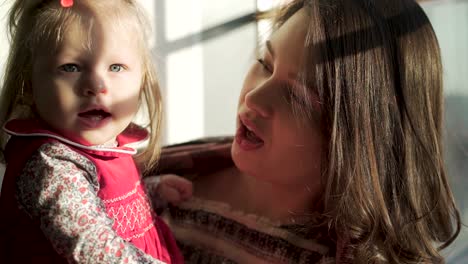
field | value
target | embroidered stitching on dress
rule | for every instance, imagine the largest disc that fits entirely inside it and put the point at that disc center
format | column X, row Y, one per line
column 125, row 196
column 140, row 234
column 131, row 217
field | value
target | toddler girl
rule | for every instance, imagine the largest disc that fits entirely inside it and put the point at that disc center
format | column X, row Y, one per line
column 76, row 76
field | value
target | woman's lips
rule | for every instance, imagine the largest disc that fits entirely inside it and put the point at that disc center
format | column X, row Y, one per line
column 246, row 136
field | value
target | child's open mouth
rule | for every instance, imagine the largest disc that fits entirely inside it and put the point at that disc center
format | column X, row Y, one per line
column 94, row 118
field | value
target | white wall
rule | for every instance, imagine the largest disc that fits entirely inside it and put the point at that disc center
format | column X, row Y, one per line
column 201, row 83
column 450, row 22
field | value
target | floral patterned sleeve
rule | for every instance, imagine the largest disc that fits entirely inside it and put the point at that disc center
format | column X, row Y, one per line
column 59, row 188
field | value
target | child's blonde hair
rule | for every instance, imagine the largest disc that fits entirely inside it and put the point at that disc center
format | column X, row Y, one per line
column 38, row 26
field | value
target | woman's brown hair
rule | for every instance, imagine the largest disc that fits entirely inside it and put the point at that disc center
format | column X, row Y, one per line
column 376, row 68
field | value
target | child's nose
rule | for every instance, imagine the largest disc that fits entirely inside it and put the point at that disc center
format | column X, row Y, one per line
column 94, row 86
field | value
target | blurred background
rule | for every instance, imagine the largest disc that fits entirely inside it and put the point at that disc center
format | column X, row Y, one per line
column 203, row 49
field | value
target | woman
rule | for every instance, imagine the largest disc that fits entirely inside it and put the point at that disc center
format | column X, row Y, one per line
column 337, row 155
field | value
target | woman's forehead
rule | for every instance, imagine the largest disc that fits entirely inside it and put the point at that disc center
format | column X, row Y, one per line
column 287, row 43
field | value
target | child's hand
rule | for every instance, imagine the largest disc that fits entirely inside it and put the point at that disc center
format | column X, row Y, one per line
column 174, row 189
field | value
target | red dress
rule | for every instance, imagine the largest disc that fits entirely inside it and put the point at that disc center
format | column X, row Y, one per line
column 77, row 202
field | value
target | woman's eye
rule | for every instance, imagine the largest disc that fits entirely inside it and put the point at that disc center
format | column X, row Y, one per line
column 70, row 67
column 265, row 65
column 116, row 68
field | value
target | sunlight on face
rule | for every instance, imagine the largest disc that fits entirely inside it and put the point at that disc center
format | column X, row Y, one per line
column 271, row 143
column 89, row 89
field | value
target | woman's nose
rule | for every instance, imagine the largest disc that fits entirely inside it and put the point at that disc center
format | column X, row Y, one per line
column 94, row 86
column 261, row 99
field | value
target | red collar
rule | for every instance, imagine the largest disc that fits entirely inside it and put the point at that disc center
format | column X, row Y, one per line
column 128, row 140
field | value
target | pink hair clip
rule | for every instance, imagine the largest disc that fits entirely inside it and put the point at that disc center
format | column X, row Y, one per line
column 66, row 3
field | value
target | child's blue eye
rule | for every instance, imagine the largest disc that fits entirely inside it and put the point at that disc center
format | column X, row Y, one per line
column 116, row 68
column 70, row 67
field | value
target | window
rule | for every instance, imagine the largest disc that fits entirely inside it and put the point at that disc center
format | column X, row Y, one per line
column 203, row 50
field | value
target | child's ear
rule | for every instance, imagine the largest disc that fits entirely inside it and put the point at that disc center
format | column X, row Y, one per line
column 24, row 106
